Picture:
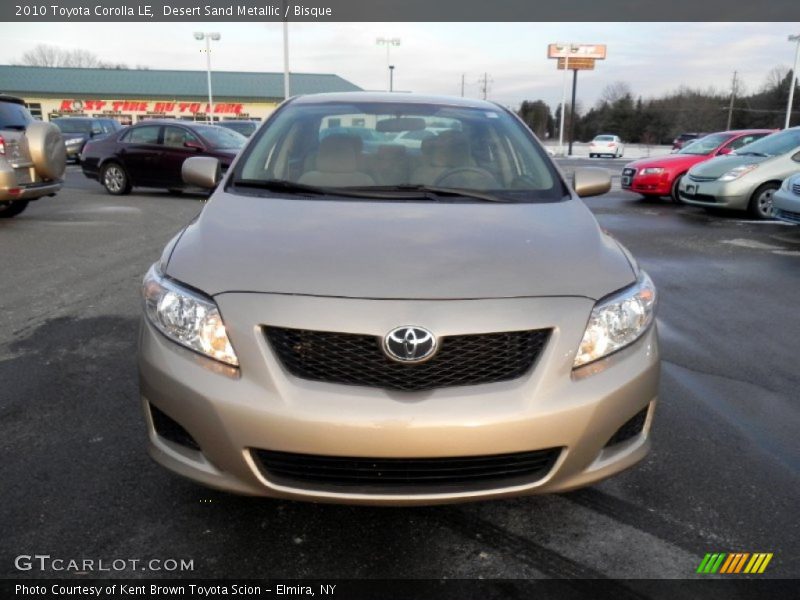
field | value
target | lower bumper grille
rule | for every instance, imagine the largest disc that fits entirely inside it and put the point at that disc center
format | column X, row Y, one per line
column 786, row 215
column 630, row 429
column 699, row 197
column 402, row 474
column 359, row 359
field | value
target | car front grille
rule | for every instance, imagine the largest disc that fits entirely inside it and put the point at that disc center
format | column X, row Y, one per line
column 354, row 359
column 796, row 188
column 401, row 474
column 701, row 178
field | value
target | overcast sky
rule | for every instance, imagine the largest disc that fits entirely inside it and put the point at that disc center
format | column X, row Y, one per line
column 651, row 57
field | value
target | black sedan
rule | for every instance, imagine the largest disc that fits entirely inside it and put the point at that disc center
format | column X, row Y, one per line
column 76, row 131
column 151, row 154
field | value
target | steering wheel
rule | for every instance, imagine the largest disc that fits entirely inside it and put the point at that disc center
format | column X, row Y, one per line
column 488, row 180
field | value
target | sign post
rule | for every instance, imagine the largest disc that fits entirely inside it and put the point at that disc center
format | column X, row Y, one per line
column 578, row 57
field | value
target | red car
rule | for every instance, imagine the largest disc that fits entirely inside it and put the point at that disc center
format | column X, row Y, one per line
column 661, row 175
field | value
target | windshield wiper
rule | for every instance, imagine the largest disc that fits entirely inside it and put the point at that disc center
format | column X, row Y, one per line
column 751, row 154
column 291, row 187
column 440, row 191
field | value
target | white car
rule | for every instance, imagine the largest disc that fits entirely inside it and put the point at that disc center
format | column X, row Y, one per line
column 606, row 144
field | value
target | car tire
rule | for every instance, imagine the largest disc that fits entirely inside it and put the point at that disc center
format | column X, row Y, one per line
column 591, row 155
column 760, row 206
column 12, row 209
column 115, row 179
column 674, row 192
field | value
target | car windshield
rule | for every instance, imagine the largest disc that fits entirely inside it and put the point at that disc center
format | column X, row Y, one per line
column 604, row 138
column 221, row 137
column 400, row 146
column 773, row 145
column 706, row 145
column 73, row 125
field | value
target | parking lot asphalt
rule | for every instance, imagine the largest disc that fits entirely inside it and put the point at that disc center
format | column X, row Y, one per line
column 723, row 476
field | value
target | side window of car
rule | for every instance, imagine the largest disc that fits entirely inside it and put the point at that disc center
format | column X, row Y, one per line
column 176, row 137
column 742, row 141
column 143, row 135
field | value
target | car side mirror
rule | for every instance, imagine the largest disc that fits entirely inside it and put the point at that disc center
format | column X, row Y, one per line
column 193, row 145
column 591, row 181
column 202, row 171
column 725, row 150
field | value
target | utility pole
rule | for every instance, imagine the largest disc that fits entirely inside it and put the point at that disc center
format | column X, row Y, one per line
column 733, row 97
column 462, row 85
column 485, row 81
column 572, row 110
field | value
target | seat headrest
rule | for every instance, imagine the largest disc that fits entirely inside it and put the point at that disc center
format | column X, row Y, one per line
column 451, row 149
column 338, row 153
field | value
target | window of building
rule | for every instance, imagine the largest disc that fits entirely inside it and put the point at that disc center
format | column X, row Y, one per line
column 35, row 108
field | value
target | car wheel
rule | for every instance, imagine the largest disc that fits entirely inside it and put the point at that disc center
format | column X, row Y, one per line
column 675, row 191
column 760, row 206
column 12, row 209
column 591, row 155
column 115, row 179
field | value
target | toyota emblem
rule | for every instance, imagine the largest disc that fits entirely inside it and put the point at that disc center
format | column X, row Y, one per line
column 409, row 344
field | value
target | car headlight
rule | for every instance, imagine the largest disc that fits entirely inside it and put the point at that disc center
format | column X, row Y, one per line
column 186, row 317
column 618, row 321
column 737, row 172
column 652, row 171
column 74, row 141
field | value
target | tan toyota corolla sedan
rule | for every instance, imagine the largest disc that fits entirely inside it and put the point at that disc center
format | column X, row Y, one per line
column 356, row 320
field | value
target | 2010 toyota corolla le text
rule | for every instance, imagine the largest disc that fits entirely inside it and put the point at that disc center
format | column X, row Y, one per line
column 351, row 319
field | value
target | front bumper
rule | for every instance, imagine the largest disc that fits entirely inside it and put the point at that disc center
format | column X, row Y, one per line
column 786, row 206
column 230, row 412
column 655, row 185
column 721, row 194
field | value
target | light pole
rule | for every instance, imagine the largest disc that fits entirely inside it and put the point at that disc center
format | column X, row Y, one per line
column 391, row 78
column 388, row 42
column 286, row 91
column 793, row 38
column 571, row 48
column 208, row 36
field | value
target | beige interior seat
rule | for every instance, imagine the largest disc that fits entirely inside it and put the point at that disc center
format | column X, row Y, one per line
column 389, row 165
column 448, row 150
column 337, row 164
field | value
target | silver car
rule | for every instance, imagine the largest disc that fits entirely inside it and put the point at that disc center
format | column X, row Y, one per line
column 360, row 323
column 746, row 179
column 786, row 201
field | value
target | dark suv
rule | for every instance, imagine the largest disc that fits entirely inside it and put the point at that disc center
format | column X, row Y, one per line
column 32, row 157
column 79, row 130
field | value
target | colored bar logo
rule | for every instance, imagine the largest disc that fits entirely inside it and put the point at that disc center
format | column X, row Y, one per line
column 734, row 563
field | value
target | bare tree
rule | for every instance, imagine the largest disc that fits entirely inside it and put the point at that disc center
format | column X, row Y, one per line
column 44, row 55
column 616, row 91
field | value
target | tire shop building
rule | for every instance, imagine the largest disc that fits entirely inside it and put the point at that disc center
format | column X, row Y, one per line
column 133, row 95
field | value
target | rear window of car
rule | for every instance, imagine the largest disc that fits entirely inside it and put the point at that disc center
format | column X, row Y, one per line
column 347, row 144
column 70, row 125
column 14, row 116
column 220, row 137
column 242, row 127
column 603, row 138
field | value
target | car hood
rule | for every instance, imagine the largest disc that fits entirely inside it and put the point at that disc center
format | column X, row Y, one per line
column 716, row 167
column 668, row 161
column 398, row 250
